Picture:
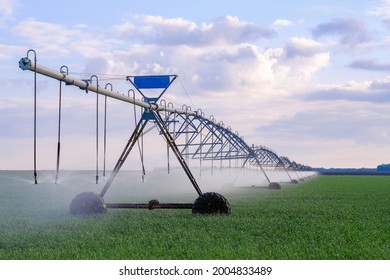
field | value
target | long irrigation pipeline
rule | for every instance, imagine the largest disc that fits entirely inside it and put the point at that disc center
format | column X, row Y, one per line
column 27, row 64
column 151, row 112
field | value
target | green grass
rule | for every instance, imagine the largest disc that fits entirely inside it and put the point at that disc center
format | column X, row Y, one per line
column 328, row 217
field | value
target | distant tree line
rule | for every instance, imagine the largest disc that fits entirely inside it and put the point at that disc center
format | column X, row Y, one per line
column 383, row 167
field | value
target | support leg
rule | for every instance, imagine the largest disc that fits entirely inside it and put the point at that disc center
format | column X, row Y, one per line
column 261, row 168
column 129, row 146
column 285, row 169
column 171, row 142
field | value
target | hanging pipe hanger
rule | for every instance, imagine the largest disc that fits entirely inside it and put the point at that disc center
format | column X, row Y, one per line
column 163, row 103
column 97, row 126
column 105, row 131
column 64, row 70
column 35, row 115
column 140, row 146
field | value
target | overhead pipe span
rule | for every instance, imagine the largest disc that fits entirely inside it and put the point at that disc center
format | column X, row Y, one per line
column 27, row 64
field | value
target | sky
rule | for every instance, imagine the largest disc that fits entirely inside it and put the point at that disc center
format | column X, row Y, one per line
column 309, row 79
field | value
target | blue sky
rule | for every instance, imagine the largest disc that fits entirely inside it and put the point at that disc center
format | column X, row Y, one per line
column 307, row 78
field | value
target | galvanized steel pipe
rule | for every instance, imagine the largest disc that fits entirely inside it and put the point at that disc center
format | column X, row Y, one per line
column 27, row 64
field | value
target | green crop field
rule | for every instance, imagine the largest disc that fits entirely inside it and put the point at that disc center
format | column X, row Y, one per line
column 326, row 217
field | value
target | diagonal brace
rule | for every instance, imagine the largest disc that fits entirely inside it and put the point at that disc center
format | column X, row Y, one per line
column 171, row 142
column 129, row 146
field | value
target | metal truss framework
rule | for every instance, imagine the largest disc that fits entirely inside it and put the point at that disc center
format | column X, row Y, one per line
column 189, row 134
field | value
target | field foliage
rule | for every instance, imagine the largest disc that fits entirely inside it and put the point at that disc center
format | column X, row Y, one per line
column 326, row 217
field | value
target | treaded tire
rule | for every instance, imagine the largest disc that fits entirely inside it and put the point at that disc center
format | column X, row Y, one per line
column 274, row 186
column 211, row 203
column 87, row 203
column 154, row 203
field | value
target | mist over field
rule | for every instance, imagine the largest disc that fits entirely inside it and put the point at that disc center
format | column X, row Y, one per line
column 129, row 187
column 22, row 201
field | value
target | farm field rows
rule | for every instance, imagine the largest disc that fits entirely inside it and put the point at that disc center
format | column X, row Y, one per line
column 326, row 217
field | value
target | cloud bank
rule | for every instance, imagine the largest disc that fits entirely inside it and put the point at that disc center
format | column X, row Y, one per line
column 267, row 88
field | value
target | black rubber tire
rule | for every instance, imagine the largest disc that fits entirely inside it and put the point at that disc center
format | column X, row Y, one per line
column 274, row 186
column 87, row 203
column 211, row 203
column 154, row 203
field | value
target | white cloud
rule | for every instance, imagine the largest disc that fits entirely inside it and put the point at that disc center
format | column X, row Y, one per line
column 282, row 23
column 60, row 39
column 228, row 72
column 363, row 92
column 178, row 31
column 221, row 54
column 214, row 69
column 302, row 58
column 7, row 8
column 302, row 47
column 47, row 37
column 335, row 133
column 383, row 9
column 8, row 51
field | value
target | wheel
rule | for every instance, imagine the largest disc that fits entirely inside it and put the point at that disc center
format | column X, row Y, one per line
column 274, row 186
column 153, row 204
column 211, row 203
column 87, row 203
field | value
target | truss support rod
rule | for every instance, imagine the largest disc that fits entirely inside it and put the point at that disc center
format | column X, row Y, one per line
column 133, row 139
column 297, row 174
column 288, row 174
column 262, row 170
column 129, row 146
column 285, row 169
column 261, row 167
column 171, row 142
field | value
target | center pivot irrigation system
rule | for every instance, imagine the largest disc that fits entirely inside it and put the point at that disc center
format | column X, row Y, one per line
column 188, row 134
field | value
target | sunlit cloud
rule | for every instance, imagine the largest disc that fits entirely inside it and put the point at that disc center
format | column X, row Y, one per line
column 7, row 8
column 382, row 9
column 282, row 23
column 178, row 31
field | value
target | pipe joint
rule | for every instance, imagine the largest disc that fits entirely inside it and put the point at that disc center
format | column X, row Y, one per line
column 25, row 63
